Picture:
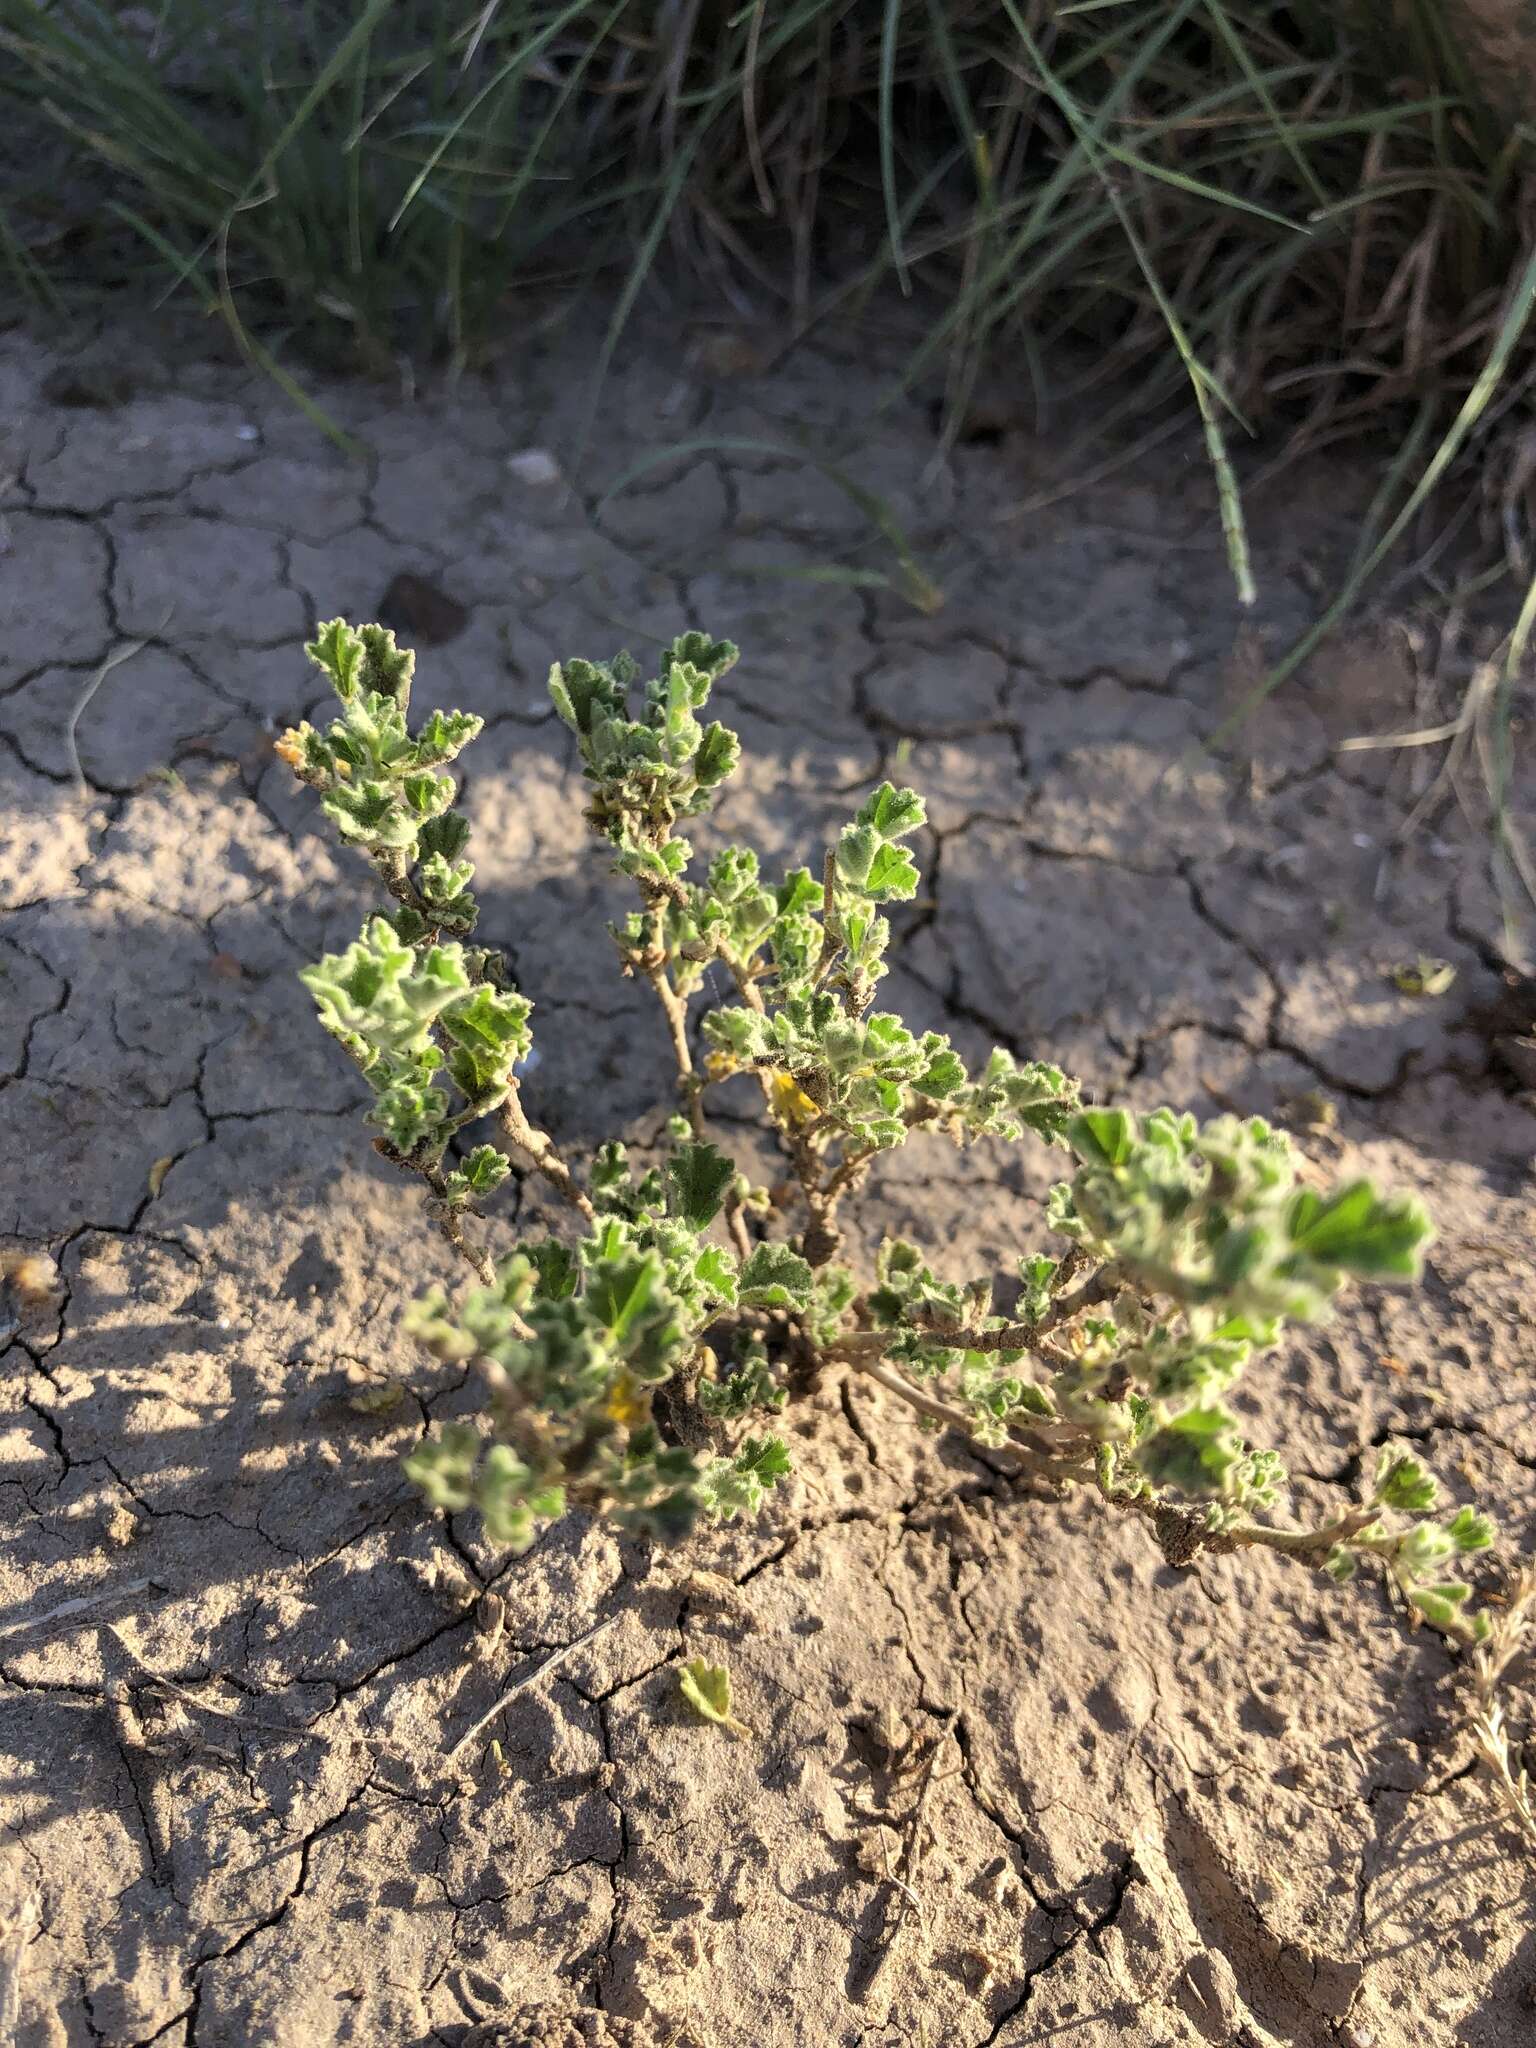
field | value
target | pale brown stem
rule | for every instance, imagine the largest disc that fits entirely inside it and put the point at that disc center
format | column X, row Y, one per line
column 449, row 1219
column 675, row 1009
column 451, row 1227
column 893, row 1383
column 845, row 1173
column 539, row 1148
column 1054, row 1459
column 831, row 945
column 1304, row 1542
column 1026, row 1336
column 850, row 1170
column 1182, row 1536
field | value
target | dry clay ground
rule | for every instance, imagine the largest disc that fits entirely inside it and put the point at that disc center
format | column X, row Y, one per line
column 1233, row 1805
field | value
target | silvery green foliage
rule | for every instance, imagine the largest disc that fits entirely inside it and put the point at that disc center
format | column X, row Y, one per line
column 1182, row 1250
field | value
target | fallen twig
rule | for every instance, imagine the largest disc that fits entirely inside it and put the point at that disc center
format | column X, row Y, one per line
column 522, row 1684
column 82, row 1604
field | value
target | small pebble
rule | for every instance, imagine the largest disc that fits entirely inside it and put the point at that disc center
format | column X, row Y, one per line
column 32, row 1276
column 490, row 1620
column 534, row 466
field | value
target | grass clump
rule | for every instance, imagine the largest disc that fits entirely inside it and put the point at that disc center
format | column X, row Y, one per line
column 639, row 1367
column 1325, row 227
column 1260, row 218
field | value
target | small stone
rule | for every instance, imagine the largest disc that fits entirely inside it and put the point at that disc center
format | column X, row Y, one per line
column 727, row 352
column 445, row 1581
column 490, row 1620
column 891, row 1732
column 31, row 1276
column 377, row 1400
column 1213, row 1986
column 535, row 467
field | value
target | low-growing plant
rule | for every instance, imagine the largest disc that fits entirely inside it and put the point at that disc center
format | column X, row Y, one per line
column 638, row 1369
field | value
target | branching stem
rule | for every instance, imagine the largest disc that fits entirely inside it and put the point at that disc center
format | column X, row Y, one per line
column 1026, row 1336
column 822, row 1236
column 536, row 1145
column 540, row 1148
column 652, row 963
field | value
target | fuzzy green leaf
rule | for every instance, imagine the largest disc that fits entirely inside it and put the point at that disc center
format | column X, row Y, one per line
column 1102, row 1137
column 444, row 1469
column 775, row 1277
column 697, row 1177
column 339, row 651
column 1406, row 1483
column 1361, row 1232
column 893, row 813
column 1469, row 1530
column 718, row 752
column 707, row 1689
column 1441, row 1604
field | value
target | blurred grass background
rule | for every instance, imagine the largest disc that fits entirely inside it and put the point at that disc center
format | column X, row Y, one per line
column 1313, row 222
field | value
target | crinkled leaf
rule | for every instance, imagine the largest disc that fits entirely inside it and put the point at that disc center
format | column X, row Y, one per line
column 697, row 1177
column 338, row 650
column 1362, row 1232
column 892, row 876
column 1469, row 1530
column 1406, row 1483
column 944, row 1074
column 718, row 752
column 892, row 813
column 1441, row 1604
column 1103, row 1137
column 444, row 1468
column 774, row 1277
column 736, row 1485
column 707, row 1689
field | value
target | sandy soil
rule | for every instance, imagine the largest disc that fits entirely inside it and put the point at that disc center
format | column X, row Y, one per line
column 1232, row 1806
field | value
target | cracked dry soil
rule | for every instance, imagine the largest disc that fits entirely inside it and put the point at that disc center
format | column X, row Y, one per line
column 1232, row 1805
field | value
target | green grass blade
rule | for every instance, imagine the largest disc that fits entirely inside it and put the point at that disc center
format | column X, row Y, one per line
column 1511, row 328
column 1279, row 126
column 887, row 92
column 1233, row 525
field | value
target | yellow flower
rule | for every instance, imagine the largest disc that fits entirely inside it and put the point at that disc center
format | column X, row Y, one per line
column 627, row 1404
column 289, row 749
column 718, row 1065
column 791, row 1102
